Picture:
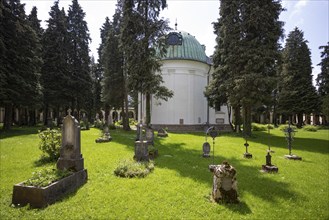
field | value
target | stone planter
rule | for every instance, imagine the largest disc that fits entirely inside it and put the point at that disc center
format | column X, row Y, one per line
column 39, row 197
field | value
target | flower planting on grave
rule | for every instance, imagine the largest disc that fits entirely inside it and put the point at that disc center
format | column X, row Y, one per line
column 47, row 186
column 132, row 168
column 46, row 176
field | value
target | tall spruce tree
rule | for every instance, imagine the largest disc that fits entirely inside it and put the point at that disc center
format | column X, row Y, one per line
column 228, row 31
column 35, row 24
column 246, row 54
column 55, row 69
column 104, row 63
column 323, row 82
column 104, row 30
column 113, row 82
column 96, row 76
column 21, row 62
column 297, row 95
column 79, row 60
column 141, row 33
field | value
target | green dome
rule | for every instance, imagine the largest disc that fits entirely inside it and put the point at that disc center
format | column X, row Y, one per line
column 183, row 46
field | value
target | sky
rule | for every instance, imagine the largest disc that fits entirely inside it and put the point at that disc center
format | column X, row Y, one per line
column 196, row 17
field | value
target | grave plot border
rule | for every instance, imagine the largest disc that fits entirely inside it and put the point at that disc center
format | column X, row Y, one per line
column 39, row 197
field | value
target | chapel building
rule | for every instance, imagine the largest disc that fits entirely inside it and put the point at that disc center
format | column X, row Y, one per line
column 186, row 70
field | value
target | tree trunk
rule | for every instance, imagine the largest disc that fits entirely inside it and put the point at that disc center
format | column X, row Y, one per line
column 237, row 118
column 8, row 116
column 45, row 115
column 247, row 120
column 125, row 118
column 32, row 118
column 148, row 109
column 229, row 111
column 300, row 120
column 107, row 112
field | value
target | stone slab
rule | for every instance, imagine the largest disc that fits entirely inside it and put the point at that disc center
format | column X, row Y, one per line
column 270, row 168
column 292, row 157
column 247, row 155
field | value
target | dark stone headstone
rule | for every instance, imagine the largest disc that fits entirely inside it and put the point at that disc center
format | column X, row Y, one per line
column 247, row 154
column 162, row 133
column 206, row 149
column 141, row 151
column 149, row 136
column 269, row 167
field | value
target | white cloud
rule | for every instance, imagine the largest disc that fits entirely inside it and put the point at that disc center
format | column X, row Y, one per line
column 298, row 7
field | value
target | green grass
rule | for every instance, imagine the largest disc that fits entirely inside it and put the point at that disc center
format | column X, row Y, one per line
column 180, row 185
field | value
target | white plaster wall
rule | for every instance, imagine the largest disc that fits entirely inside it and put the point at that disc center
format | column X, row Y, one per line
column 188, row 80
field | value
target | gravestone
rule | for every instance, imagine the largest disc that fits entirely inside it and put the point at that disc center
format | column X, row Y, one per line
column 224, row 183
column 141, row 151
column 162, row 133
column 247, row 154
column 141, row 146
column 70, row 159
column 206, row 149
column 70, row 152
column 106, row 137
column 85, row 122
column 269, row 167
column 149, row 135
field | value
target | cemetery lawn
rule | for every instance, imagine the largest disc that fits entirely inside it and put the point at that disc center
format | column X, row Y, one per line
column 180, row 185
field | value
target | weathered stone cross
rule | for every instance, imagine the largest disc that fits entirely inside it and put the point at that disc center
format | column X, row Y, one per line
column 69, row 111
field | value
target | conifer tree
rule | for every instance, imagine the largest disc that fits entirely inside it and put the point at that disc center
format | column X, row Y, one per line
column 141, row 32
column 104, row 31
column 79, row 60
column 21, row 63
column 246, row 54
column 101, row 63
column 55, row 69
column 96, row 76
column 323, row 81
column 297, row 95
column 35, row 24
column 113, row 87
column 228, row 31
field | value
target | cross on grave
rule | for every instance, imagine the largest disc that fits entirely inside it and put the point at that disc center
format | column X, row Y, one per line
column 69, row 111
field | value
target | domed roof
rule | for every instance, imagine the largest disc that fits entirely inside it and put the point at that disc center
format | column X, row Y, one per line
column 183, row 46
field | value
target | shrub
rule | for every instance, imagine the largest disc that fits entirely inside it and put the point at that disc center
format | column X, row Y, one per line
column 118, row 123
column 50, row 143
column 98, row 124
column 310, row 128
column 132, row 121
column 261, row 127
column 46, row 176
column 131, row 168
column 84, row 125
